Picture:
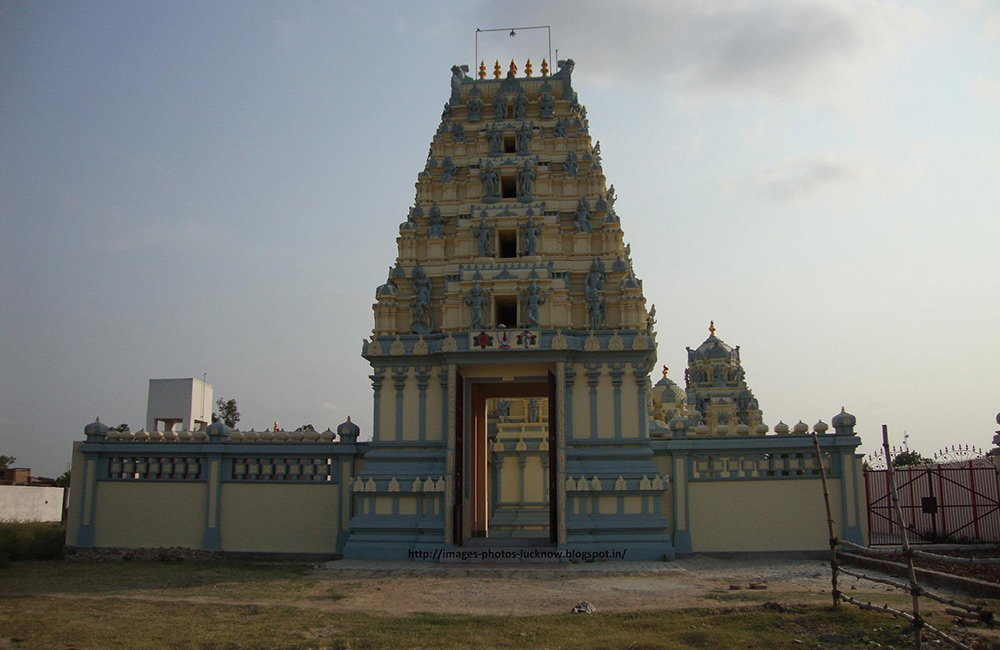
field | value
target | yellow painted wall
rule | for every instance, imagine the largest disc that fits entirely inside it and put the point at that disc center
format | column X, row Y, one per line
column 280, row 518
column 535, row 479
column 605, row 406
column 411, row 407
column 510, row 479
column 434, row 400
column 387, row 409
column 407, row 505
column 760, row 515
column 630, row 397
column 581, row 404
column 149, row 515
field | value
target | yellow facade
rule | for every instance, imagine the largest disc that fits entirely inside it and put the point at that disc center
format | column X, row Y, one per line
column 296, row 518
column 150, row 515
column 760, row 515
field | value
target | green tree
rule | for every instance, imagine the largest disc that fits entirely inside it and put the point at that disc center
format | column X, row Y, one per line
column 909, row 458
column 63, row 481
column 228, row 412
column 6, row 461
column 306, row 427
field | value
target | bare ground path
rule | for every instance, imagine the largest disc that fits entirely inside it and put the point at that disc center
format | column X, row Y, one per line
column 406, row 587
column 693, row 602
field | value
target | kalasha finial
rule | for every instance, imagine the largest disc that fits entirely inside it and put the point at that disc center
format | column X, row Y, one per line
column 276, row 426
column 527, row 68
column 513, row 67
column 496, row 69
column 482, row 69
column 711, row 328
column 665, row 369
column 545, row 68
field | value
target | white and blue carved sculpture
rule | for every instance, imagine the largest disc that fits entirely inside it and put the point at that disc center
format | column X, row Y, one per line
column 423, row 319
column 529, row 237
column 531, row 299
column 483, row 234
column 593, row 286
column 478, row 302
column 491, row 183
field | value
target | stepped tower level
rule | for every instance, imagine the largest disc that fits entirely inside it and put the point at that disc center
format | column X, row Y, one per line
column 512, row 344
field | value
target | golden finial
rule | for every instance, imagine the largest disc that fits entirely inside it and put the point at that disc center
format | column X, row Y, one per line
column 545, row 68
column 711, row 328
column 513, row 67
column 665, row 369
column 527, row 68
column 496, row 69
column 275, row 426
column 482, row 69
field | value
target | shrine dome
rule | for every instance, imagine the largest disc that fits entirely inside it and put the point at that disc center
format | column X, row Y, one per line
column 668, row 391
column 713, row 348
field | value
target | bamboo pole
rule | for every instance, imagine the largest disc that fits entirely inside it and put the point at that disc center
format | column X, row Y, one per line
column 916, row 620
column 866, row 550
column 835, row 593
column 956, row 560
column 955, row 643
column 978, row 612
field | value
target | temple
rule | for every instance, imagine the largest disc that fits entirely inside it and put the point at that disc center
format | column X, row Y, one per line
column 511, row 356
column 512, row 287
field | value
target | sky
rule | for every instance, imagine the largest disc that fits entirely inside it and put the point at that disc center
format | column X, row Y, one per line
column 194, row 188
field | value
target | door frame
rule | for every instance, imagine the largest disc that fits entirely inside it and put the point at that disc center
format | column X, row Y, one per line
column 472, row 449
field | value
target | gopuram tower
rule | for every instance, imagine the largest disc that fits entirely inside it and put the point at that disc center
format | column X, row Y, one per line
column 512, row 344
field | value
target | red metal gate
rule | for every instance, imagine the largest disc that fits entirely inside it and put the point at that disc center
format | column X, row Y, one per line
column 940, row 503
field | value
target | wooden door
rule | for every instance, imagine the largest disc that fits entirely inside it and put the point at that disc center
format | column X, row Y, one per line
column 459, row 458
column 553, row 456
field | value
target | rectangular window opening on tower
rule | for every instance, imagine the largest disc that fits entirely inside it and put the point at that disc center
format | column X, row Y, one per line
column 506, row 311
column 508, row 243
column 509, row 144
column 508, row 186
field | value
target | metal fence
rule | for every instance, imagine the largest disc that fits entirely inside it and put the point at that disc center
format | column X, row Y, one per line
column 939, row 503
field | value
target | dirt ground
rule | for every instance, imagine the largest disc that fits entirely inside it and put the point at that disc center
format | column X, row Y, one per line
column 401, row 588
column 250, row 594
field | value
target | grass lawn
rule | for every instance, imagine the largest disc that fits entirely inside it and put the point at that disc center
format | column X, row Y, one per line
column 235, row 604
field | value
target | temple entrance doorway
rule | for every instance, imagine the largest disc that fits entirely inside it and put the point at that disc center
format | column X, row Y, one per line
column 508, row 492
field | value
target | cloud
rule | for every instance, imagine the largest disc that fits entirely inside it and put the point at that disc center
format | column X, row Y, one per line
column 796, row 178
column 986, row 88
column 806, row 49
column 991, row 27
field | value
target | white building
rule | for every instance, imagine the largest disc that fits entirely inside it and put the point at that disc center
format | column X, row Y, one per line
column 184, row 402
